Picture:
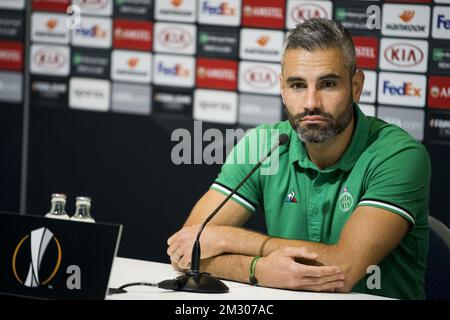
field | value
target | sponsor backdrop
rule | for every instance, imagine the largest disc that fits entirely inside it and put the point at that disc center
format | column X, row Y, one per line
column 112, row 81
column 12, row 46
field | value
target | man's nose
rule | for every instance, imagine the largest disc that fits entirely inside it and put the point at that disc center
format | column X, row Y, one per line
column 312, row 99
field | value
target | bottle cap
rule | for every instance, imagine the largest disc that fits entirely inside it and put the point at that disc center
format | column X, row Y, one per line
column 59, row 195
column 83, row 200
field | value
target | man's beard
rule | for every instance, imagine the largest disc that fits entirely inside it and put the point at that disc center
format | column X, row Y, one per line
column 318, row 133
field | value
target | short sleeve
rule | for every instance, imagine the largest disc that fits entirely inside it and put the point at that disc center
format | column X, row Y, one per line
column 400, row 183
column 241, row 160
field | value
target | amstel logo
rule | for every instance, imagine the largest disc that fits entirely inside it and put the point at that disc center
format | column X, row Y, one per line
column 29, row 255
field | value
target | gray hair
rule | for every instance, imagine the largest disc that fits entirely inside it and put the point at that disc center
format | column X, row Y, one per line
column 319, row 34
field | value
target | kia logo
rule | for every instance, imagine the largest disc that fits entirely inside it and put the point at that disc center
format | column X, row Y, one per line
column 260, row 77
column 403, row 54
column 174, row 37
column 93, row 4
column 53, row 59
column 304, row 12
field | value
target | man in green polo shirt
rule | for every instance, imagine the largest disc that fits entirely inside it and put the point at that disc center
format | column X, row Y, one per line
column 346, row 207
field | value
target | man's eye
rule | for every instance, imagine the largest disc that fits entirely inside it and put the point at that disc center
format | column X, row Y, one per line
column 298, row 86
column 329, row 84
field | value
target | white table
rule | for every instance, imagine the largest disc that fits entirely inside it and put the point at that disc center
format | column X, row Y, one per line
column 130, row 270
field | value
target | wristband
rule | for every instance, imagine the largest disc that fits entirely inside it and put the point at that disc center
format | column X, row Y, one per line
column 252, row 279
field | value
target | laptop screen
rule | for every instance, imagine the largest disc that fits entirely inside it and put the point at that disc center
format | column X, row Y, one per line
column 56, row 259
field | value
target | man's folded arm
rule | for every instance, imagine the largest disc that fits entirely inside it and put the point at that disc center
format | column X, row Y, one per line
column 367, row 238
column 369, row 235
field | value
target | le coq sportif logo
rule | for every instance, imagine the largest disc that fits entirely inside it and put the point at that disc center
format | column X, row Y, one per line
column 37, row 258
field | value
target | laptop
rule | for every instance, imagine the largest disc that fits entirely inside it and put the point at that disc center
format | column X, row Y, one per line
column 56, row 259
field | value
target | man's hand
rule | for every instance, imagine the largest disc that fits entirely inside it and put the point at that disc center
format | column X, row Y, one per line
column 281, row 270
column 181, row 243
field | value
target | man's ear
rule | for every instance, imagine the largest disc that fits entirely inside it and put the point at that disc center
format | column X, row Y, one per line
column 280, row 78
column 357, row 85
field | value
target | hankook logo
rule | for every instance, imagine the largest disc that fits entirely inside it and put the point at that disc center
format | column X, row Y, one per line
column 176, row 10
column 38, row 243
column 406, row 20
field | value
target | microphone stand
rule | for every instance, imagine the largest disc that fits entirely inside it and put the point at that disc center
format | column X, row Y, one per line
column 202, row 282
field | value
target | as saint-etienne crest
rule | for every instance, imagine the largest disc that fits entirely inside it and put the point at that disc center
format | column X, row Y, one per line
column 345, row 200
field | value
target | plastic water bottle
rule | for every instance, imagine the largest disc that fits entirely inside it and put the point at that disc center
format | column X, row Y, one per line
column 83, row 210
column 57, row 210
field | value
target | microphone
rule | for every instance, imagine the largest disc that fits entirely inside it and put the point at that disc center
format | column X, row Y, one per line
column 203, row 282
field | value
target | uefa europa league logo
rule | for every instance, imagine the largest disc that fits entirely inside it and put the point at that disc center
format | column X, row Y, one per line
column 39, row 241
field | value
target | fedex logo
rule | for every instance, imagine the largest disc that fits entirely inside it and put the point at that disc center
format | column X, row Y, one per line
column 220, row 12
column 94, row 32
column 223, row 9
column 401, row 89
column 175, row 70
column 406, row 89
column 442, row 22
column 172, row 70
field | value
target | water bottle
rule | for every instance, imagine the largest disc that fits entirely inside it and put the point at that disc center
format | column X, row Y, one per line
column 83, row 210
column 58, row 204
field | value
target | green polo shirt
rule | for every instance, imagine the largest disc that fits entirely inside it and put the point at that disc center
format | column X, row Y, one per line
column 383, row 167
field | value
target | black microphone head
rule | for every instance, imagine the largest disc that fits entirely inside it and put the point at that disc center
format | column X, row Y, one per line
column 283, row 138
